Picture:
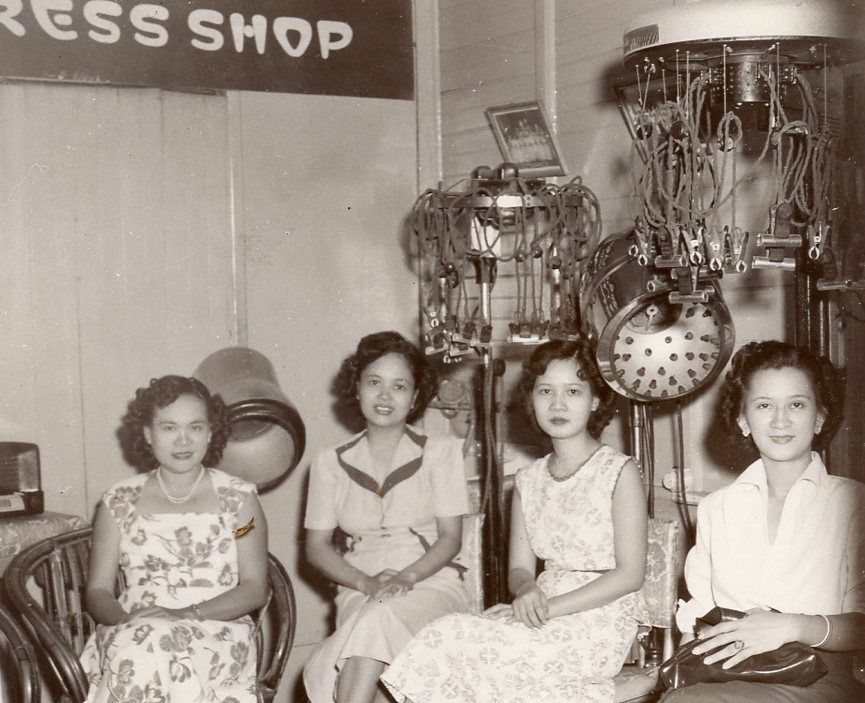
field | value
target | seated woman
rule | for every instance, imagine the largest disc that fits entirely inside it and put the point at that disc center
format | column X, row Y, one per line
column 400, row 497
column 785, row 536
column 191, row 544
column 582, row 510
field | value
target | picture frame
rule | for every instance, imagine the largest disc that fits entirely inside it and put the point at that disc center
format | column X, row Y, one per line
column 524, row 138
column 632, row 97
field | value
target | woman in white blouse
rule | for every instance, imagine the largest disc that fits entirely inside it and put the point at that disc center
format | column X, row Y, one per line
column 784, row 542
column 399, row 496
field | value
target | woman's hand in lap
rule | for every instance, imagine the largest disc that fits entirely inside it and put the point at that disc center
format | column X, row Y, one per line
column 396, row 585
column 499, row 608
column 157, row 611
column 371, row 584
column 530, row 607
column 759, row 631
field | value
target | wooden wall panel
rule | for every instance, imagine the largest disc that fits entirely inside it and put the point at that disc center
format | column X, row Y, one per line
column 117, row 251
column 487, row 58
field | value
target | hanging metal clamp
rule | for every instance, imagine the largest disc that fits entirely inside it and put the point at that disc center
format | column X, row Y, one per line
column 817, row 233
column 735, row 246
column 714, row 249
column 640, row 250
column 692, row 241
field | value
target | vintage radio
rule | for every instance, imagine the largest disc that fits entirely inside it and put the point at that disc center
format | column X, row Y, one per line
column 20, row 480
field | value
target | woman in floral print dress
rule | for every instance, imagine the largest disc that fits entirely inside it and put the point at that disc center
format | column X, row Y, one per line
column 581, row 510
column 191, row 544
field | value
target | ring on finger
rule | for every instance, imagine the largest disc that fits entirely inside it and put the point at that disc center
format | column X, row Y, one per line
column 738, row 645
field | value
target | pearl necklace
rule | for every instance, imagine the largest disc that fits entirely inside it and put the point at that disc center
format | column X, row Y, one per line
column 170, row 498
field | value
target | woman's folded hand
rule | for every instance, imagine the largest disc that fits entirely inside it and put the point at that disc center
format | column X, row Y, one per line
column 734, row 641
column 396, row 585
column 530, row 607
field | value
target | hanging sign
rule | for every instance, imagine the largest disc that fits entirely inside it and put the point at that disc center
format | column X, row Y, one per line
column 328, row 47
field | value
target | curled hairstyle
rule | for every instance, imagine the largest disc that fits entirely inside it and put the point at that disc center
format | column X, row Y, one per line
column 826, row 380
column 372, row 347
column 161, row 393
column 582, row 351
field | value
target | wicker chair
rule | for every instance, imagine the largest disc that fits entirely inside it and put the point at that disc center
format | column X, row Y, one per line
column 18, row 664
column 57, row 567
column 637, row 683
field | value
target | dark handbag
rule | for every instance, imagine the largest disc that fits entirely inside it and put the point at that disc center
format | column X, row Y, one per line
column 793, row 663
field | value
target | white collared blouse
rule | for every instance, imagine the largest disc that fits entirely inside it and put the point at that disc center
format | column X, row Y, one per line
column 426, row 480
column 816, row 563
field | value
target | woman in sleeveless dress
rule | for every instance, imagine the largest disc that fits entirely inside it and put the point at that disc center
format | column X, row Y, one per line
column 191, row 545
column 581, row 510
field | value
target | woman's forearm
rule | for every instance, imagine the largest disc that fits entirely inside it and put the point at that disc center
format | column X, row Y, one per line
column 243, row 599
column 846, row 631
column 518, row 579
column 438, row 556
column 609, row 586
column 104, row 607
column 330, row 563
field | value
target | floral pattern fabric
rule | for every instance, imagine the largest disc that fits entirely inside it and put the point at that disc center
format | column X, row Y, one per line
column 174, row 560
column 573, row 658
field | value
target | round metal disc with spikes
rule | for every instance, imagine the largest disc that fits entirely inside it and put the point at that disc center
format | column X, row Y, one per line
column 654, row 350
column 648, row 348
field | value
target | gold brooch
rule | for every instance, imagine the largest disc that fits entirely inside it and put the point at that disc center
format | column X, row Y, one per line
column 248, row 527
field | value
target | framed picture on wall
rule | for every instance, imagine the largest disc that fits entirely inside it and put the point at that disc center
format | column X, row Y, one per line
column 633, row 99
column 524, row 138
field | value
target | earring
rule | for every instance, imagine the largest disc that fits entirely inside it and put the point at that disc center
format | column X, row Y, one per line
column 745, row 431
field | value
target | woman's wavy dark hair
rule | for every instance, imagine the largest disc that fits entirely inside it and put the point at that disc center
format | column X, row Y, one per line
column 372, row 347
column 582, row 351
column 826, row 380
column 161, row 393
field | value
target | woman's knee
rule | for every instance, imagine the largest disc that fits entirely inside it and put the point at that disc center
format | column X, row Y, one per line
column 684, row 695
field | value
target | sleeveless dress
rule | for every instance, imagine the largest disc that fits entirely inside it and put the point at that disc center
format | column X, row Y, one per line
column 573, row 658
column 174, row 560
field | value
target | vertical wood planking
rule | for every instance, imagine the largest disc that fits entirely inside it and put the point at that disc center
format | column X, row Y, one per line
column 119, row 265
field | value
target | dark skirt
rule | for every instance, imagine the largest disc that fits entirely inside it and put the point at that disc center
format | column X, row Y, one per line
column 837, row 686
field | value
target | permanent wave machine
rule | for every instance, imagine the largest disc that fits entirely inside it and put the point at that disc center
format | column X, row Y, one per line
column 734, row 103
column 734, row 156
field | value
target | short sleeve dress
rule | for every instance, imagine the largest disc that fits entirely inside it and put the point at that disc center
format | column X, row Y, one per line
column 174, row 560
column 390, row 520
column 571, row 659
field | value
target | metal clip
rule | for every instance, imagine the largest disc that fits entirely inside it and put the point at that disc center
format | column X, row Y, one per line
column 692, row 244
column 640, row 250
column 816, row 234
column 735, row 245
column 712, row 243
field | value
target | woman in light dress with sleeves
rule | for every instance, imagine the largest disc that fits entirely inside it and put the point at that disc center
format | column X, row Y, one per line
column 400, row 498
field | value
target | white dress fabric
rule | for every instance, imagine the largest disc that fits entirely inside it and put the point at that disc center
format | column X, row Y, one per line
column 174, row 560
column 390, row 522
column 573, row 658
